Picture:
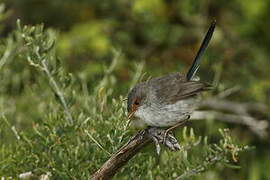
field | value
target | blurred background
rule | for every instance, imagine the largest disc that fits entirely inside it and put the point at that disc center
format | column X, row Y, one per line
column 165, row 35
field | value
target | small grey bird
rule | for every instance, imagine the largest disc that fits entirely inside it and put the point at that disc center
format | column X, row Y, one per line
column 167, row 101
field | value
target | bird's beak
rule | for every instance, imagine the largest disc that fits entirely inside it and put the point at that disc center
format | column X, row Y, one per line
column 130, row 115
column 133, row 110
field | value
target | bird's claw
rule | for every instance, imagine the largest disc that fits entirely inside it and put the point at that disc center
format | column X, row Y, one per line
column 160, row 136
column 165, row 136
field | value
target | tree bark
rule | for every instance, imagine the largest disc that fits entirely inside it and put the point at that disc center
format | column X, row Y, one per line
column 122, row 156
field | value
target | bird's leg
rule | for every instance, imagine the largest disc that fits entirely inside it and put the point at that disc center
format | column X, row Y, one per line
column 174, row 127
column 157, row 135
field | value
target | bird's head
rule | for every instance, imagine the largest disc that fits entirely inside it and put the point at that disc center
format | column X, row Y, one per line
column 136, row 98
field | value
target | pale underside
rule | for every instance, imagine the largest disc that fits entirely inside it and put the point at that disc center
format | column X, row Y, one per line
column 163, row 116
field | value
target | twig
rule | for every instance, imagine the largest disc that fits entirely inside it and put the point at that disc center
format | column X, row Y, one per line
column 57, row 91
column 132, row 147
column 233, row 107
column 9, row 53
column 234, row 112
column 258, row 127
column 95, row 141
column 199, row 169
column 13, row 129
column 122, row 156
column 228, row 92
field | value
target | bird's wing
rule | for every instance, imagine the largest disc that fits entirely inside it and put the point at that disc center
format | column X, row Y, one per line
column 174, row 87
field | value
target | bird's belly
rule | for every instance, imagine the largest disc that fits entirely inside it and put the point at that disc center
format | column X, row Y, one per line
column 166, row 115
column 165, row 121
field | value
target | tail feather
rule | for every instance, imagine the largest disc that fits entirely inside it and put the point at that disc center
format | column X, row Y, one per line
column 196, row 62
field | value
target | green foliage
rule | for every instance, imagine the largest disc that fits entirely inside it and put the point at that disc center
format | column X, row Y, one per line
column 68, row 124
column 84, row 39
column 74, row 131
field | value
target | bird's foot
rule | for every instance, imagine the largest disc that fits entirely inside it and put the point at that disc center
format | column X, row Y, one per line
column 169, row 130
column 160, row 136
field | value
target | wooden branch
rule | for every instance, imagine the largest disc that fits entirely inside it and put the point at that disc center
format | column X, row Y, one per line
column 232, row 107
column 256, row 126
column 122, row 156
column 132, row 147
column 235, row 112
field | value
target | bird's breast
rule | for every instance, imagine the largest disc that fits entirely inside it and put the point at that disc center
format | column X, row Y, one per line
column 164, row 115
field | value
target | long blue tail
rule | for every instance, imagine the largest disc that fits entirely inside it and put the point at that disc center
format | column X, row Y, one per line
column 196, row 63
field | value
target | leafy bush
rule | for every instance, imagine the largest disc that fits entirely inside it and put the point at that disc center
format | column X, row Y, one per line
column 63, row 129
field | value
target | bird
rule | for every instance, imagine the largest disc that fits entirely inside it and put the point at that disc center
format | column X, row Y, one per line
column 169, row 100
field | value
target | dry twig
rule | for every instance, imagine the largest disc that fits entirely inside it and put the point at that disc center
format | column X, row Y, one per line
column 132, row 147
column 122, row 156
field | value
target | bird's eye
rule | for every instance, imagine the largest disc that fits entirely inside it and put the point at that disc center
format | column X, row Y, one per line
column 137, row 103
